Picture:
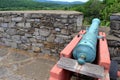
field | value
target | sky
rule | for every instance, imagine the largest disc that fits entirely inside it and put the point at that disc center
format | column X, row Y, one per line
column 71, row 0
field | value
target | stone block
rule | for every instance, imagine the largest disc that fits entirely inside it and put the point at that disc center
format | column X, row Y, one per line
column 36, row 33
column 2, row 29
column 64, row 16
column 64, row 31
column 51, row 38
column 33, row 40
column 64, row 37
column 114, row 51
column 20, row 32
column 18, row 42
column 12, row 24
column 27, row 25
column 64, row 20
column 39, row 41
column 35, row 15
column 115, row 25
column 24, row 39
column 1, row 19
column 58, row 24
column 7, row 19
column 1, row 35
column 28, row 35
column 36, row 49
column 37, row 45
column 59, row 40
column 24, row 46
column 57, row 29
column 113, row 41
column 5, row 35
column 79, row 21
column 11, row 31
column 71, row 21
column 17, row 19
column 37, row 30
column 4, row 25
column 57, row 19
column 16, row 37
column 115, row 17
column 49, row 45
column 37, row 20
column 30, row 20
column 21, row 25
column 40, row 38
column 53, row 51
column 27, row 15
column 44, row 32
column 71, row 16
column 6, row 42
column 115, row 33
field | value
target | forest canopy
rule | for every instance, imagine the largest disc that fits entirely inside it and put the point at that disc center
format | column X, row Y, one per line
column 100, row 9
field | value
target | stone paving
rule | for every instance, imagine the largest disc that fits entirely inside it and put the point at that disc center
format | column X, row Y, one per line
column 20, row 65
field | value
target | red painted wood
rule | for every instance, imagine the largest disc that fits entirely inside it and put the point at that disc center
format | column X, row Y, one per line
column 66, row 52
column 118, row 73
column 57, row 73
column 103, row 55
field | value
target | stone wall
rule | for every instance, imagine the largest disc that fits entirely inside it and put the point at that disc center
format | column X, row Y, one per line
column 114, row 37
column 39, row 31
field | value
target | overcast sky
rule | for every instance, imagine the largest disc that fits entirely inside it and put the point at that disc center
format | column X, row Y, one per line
column 70, row 0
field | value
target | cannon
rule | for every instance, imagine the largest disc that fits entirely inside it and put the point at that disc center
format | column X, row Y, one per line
column 85, row 51
column 78, row 56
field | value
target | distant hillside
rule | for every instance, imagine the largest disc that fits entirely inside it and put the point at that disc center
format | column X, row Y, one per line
column 28, row 5
column 35, row 5
column 60, row 2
